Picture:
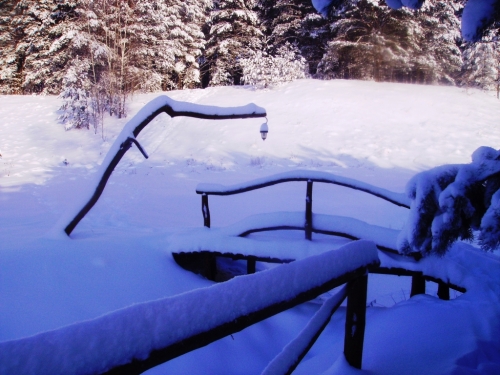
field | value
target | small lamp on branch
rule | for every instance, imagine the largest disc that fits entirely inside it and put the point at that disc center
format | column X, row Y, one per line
column 264, row 129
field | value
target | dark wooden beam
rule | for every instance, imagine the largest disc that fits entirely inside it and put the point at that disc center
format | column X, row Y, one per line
column 355, row 321
column 308, row 220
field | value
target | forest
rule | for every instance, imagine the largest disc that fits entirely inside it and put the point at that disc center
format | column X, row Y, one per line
column 95, row 53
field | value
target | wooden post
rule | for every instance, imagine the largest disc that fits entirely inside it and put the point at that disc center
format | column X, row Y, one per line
column 355, row 321
column 443, row 291
column 308, row 223
column 205, row 210
column 417, row 285
column 251, row 264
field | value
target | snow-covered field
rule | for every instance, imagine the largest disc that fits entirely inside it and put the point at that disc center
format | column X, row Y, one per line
column 378, row 133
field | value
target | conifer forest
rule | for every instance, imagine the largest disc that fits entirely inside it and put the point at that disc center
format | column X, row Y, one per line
column 95, row 53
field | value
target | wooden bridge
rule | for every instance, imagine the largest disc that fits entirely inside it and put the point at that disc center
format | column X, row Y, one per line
column 347, row 266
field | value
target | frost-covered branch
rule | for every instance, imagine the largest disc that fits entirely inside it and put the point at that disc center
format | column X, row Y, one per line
column 132, row 129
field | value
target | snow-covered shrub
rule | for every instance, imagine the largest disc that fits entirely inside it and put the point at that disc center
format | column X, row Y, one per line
column 450, row 202
column 76, row 111
column 262, row 70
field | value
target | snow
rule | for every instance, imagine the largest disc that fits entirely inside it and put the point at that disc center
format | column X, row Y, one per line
column 288, row 356
column 226, row 241
column 379, row 133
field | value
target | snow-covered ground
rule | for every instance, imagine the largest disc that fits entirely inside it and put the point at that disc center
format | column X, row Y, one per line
column 378, row 133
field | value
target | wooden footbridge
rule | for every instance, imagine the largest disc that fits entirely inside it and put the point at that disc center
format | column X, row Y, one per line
column 265, row 293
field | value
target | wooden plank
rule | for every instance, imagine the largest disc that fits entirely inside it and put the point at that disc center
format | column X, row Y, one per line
column 291, row 355
column 251, row 265
column 205, row 210
column 417, row 285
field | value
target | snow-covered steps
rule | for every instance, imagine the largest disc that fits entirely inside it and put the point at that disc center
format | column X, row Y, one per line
column 231, row 240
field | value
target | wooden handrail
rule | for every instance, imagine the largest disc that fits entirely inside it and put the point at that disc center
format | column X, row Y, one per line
column 127, row 137
column 353, row 273
column 398, row 199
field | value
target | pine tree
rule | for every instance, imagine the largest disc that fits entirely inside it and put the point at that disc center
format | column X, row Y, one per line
column 449, row 202
column 77, row 102
column 375, row 42
column 481, row 67
column 187, row 40
column 234, row 35
column 40, row 50
column 295, row 22
column 10, row 62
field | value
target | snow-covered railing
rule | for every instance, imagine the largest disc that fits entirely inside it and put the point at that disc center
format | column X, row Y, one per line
column 127, row 137
column 384, row 238
column 142, row 336
column 205, row 190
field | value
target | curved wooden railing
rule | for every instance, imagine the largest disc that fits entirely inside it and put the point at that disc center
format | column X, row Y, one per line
column 401, row 200
column 127, row 137
column 310, row 177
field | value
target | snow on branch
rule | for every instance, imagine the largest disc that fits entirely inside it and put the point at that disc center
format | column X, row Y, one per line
column 132, row 129
column 477, row 15
column 117, row 338
column 450, row 201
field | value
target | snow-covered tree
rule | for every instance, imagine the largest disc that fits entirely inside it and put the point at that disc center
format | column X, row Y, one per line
column 187, row 40
column 295, row 22
column 39, row 59
column 234, row 34
column 373, row 41
column 77, row 101
column 263, row 70
column 478, row 15
column 10, row 62
column 450, row 202
column 481, row 66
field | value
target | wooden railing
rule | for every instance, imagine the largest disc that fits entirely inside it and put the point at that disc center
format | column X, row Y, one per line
column 398, row 199
column 308, row 176
column 354, row 277
column 134, row 339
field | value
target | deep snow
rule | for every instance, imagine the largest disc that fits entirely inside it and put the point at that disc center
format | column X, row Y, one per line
column 378, row 133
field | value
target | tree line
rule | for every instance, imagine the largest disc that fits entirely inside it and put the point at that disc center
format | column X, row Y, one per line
column 95, row 52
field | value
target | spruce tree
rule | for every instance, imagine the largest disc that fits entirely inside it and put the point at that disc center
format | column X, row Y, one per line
column 297, row 23
column 41, row 51
column 375, row 42
column 234, row 34
column 10, row 62
column 481, row 67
